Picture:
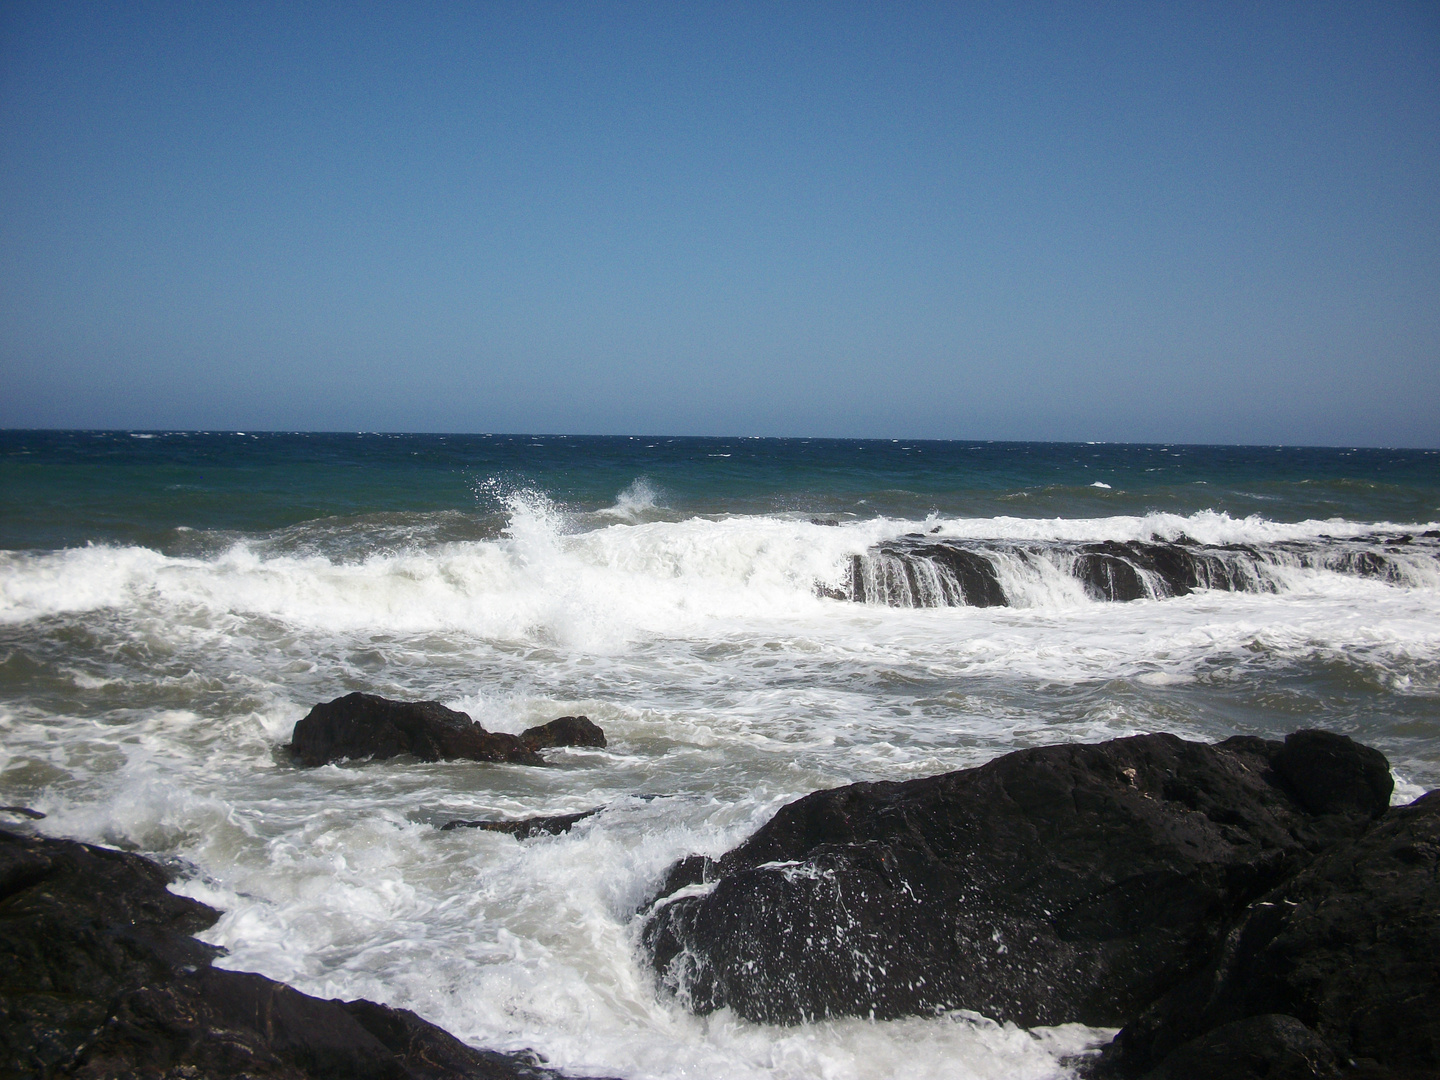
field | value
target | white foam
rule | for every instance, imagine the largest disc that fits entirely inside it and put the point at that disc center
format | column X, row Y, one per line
column 1205, row 527
column 601, row 589
column 724, row 684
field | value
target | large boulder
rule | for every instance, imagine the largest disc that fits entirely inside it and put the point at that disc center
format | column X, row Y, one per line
column 367, row 726
column 1347, row 953
column 100, row 978
column 1065, row 883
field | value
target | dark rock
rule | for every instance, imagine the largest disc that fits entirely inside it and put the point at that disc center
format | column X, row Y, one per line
column 364, row 725
column 978, row 578
column 564, row 731
column 22, row 811
column 100, row 978
column 1332, row 774
column 1349, row 947
column 1267, row 1047
column 1066, row 883
column 524, row 828
column 1108, row 575
column 691, row 870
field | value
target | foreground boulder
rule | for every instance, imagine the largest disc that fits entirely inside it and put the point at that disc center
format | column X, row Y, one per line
column 1066, row 883
column 367, row 726
column 100, row 978
column 1344, row 957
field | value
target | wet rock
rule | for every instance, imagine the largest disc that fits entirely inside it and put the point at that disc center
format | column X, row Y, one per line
column 564, row 731
column 1267, row 1047
column 1065, row 883
column 366, row 726
column 524, row 828
column 22, row 811
column 923, row 571
column 1349, row 948
column 1109, row 575
column 979, row 581
column 100, row 978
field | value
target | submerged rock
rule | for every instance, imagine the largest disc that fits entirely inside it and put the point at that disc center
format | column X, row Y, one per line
column 100, row 978
column 1065, row 883
column 365, row 725
column 524, row 828
column 1346, row 953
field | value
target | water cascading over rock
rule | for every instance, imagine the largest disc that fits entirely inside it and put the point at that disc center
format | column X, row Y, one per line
column 920, row 571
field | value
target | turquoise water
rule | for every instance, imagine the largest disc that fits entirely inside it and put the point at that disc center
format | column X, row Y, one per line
column 171, row 604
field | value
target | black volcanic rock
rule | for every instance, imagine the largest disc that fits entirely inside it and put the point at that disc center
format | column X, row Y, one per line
column 100, row 978
column 1330, row 774
column 1065, row 883
column 564, row 731
column 1349, row 949
column 1270, row 1046
column 524, row 828
column 364, row 725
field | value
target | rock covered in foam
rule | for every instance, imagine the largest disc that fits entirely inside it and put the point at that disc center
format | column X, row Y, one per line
column 367, row 726
column 102, row 979
column 1059, row 884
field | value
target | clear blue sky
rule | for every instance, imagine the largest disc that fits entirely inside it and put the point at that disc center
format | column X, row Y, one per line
column 1207, row 223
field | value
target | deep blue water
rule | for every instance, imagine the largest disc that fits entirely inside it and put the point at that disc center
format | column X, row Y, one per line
column 60, row 489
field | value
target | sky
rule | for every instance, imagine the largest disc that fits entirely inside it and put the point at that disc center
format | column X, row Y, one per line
column 1211, row 222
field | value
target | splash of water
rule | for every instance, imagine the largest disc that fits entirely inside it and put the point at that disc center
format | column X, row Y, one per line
column 634, row 501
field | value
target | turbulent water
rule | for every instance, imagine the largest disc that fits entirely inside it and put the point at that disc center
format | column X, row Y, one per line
column 748, row 620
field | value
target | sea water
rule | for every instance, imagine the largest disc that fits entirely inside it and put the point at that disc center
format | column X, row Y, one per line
column 172, row 603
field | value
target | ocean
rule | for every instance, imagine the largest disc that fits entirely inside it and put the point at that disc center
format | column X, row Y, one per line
column 747, row 619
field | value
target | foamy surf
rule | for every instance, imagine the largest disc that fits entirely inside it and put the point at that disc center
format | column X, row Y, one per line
column 612, row 582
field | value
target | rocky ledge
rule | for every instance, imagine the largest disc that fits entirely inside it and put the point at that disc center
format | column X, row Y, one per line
column 100, row 978
column 1246, row 909
column 367, row 726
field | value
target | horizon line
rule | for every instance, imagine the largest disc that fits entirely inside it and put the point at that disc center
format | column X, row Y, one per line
column 256, row 432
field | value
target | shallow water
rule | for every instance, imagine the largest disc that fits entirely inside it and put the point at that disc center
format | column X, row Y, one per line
column 169, row 607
